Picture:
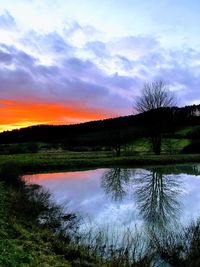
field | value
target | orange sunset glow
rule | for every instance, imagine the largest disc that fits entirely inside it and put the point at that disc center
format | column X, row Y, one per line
column 61, row 176
column 16, row 114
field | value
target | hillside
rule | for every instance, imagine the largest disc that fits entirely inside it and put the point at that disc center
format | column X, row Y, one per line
column 176, row 123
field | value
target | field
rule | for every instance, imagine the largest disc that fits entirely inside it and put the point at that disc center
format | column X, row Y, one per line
column 51, row 161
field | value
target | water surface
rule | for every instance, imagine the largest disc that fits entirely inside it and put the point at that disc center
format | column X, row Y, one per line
column 158, row 198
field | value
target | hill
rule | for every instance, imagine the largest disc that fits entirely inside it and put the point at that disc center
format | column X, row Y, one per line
column 176, row 123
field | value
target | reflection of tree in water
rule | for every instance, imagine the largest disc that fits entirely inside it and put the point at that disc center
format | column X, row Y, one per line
column 157, row 202
column 114, row 181
column 156, row 195
column 157, row 199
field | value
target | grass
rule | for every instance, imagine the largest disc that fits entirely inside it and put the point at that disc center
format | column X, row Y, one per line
column 185, row 132
column 22, row 244
column 50, row 161
column 169, row 146
column 25, row 241
column 173, row 145
column 141, row 146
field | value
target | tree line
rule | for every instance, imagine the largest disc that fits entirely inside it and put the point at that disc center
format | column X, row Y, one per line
column 157, row 116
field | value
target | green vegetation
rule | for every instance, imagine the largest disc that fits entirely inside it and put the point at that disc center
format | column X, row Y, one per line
column 188, row 131
column 22, row 243
column 169, row 146
column 50, row 161
column 51, row 156
column 20, row 148
column 174, row 146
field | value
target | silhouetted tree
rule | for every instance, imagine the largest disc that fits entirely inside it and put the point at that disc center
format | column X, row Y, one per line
column 116, row 140
column 155, row 96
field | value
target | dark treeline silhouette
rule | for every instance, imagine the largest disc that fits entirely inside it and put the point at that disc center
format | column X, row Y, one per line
column 109, row 132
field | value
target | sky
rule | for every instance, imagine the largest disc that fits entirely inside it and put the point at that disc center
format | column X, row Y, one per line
column 71, row 61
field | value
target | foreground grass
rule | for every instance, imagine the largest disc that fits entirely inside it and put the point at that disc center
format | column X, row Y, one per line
column 26, row 243
column 65, row 160
column 23, row 243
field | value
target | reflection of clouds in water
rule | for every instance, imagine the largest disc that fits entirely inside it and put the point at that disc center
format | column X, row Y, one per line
column 124, row 214
column 190, row 198
column 83, row 193
column 76, row 188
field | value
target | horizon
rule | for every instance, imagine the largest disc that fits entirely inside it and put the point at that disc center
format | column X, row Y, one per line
column 68, row 62
column 196, row 113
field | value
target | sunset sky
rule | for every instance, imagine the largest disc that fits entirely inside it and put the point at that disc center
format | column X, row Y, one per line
column 69, row 61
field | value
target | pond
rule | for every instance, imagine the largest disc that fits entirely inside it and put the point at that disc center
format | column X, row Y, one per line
column 154, row 200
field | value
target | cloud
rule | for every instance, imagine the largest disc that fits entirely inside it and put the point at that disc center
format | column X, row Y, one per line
column 74, row 81
column 79, row 35
column 89, row 74
column 5, row 58
column 133, row 47
column 7, row 22
column 98, row 48
column 46, row 44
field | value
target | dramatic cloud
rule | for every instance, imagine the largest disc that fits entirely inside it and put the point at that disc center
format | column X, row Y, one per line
column 74, row 74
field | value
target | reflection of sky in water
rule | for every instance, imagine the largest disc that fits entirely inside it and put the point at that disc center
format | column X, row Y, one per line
column 83, row 193
column 190, row 197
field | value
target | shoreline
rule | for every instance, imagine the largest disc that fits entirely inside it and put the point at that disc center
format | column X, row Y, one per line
column 57, row 162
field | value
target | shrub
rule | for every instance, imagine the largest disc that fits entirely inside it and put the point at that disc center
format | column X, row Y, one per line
column 17, row 149
column 32, row 147
column 193, row 148
column 10, row 173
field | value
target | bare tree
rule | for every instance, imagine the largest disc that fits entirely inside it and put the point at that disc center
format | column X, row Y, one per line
column 155, row 95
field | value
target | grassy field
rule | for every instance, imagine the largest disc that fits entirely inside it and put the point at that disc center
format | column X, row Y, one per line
column 26, row 243
column 187, row 131
column 50, row 161
column 169, row 146
column 23, row 243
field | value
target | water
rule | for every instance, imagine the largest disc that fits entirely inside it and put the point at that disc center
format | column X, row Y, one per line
column 155, row 201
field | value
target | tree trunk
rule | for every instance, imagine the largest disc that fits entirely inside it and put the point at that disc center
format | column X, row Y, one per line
column 118, row 151
column 156, row 143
